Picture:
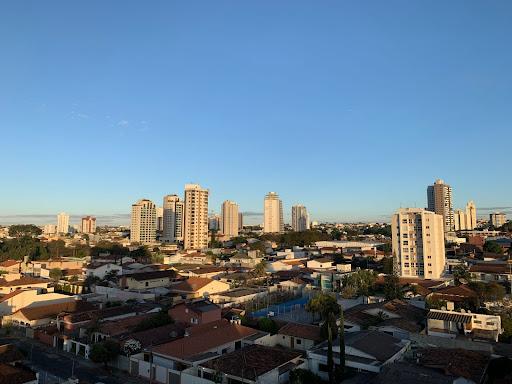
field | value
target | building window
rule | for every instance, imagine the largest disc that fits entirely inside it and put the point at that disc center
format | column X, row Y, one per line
column 298, row 341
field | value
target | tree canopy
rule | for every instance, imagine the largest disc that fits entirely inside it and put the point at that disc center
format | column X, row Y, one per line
column 492, row 247
column 21, row 230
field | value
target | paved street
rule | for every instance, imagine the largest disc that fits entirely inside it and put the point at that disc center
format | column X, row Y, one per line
column 56, row 366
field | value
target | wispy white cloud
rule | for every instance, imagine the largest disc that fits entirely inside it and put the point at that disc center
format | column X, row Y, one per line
column 123, row 123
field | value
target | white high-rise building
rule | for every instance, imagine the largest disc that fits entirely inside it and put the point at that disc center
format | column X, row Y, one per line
column 229, row 219
column 143, row 222
column 465, row 220
column 300, row 218
column 470, row 215
column 273, row 214
column 62, row 223
column 196, row 217
column 439, row 198
column 497, row 219
column 88, row 224
column 418, row 243
column 173, row 213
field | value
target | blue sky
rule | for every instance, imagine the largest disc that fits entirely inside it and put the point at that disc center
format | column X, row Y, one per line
column 351, row 108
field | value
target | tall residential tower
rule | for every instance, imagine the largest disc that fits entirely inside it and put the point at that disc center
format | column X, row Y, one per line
column 229, row 219
column 300, row 218
column 62, row 223
column 418, row 243
column 143, row 222
column 273, row 214
column 196, row 217
column 439, row 197
column 172, row 230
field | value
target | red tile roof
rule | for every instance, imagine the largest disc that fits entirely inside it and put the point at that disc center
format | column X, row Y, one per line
column 303, row 331
column 203, row 338
column 22, row 281
column 192, row 284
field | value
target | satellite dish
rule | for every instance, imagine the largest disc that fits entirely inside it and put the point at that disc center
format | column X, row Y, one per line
column 463, row 281
column 443, row 308
column 462, row 310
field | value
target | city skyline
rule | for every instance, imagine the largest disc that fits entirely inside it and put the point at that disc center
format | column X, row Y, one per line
column 350, row 86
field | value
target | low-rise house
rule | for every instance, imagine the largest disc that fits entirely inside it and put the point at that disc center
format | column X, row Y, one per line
column 245, row 260
column 491, row 271
column 150, row 337
column 210, row 272
column 451, row 324
column 166, row 362
column 42, row 268
column 252, row 364
column 197, row 287
column 196, row 312
column 8, row 285
column 237, row 296
column 298, row 336
column 322, row 263
column 10, row 266
column 101, row 269
column 195, row 258
column 149, row 280
column 456, row 297
column 23, row 298
column 394, row 317
column 44, row 314
column 276, row 266
column 364, row 350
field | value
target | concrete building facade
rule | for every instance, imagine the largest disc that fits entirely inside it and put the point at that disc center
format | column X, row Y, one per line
column 143, row 222
column 300, row 218
column 196, row 217
column 418, row 243
column 88, row 224
column 173, row 212
column 273, row 214
column 62, row 223
column 229, row 219
column 439, row 198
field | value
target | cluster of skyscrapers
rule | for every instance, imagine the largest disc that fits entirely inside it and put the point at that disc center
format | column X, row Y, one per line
column 418, row 235
column 188, row 221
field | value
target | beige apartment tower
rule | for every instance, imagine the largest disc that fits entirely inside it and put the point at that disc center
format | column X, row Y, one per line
column 273, row 214
column 62, row 223
column 88, row 224
column 300, row 218
column 439, row 198
column 465, row 220
column 196, row 217
column 229, row 219
column 497, row 219
column 143, row 222
column 418, row 243
column 172, row 220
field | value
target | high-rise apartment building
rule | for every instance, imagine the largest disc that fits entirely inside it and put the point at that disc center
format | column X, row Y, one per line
column 196, row 217
column 240, row 221
column 62, row 223
column 214, row 222
column 159, row 219
column 300, row 218
column 465, row 220
column 143, row 222
column 497, row 219
column 273, row 214
column 439, row 197
column 418, row 243
column 88, row 224
column 229, row 219
column 173, row 212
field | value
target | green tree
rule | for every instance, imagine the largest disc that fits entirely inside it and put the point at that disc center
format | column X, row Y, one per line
column 493, row 247
column 461, row 272
column 104, row 352
column 55, row 274
column 260, row 269
column 159, row 319
column 268, row 325
column 340, row 373
column 323, row 304
column 21, row 230
column 330, row 358
column 141, row 254
column 392, row 288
